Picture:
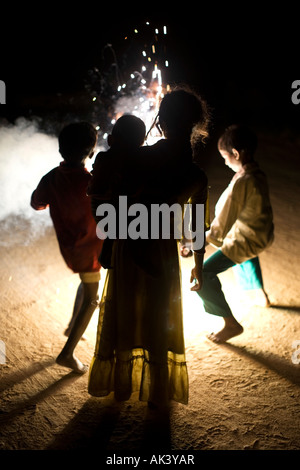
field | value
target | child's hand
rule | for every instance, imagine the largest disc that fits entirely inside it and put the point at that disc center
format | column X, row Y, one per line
column 196, row 276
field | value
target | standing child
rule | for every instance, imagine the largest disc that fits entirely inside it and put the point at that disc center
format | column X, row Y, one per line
column 242, row 228
column 63, row 189
column 140, row 343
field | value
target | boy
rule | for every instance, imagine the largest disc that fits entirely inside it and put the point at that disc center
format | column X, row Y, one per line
column 241, row 229
column 63, row 189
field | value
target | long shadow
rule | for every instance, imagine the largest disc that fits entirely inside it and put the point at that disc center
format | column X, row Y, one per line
column 275, row 363
column 23, row 374
column 157, row 432
column 290, row 308
column 90, row 429
column 108, row 426
column 31, row 402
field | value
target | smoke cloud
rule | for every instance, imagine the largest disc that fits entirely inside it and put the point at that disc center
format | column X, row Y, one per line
column 26, row 154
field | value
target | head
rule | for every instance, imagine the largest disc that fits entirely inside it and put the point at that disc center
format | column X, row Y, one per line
column 128, row 132
column 183, row 114
column 77, row 142
column 237, row 145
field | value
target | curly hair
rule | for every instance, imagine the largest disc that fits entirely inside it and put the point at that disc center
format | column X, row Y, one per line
column 183, row 111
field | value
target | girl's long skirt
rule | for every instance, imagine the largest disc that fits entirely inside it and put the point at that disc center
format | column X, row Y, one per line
column 140, row 342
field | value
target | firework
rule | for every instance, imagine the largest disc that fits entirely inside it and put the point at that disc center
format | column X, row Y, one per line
column 141, row 87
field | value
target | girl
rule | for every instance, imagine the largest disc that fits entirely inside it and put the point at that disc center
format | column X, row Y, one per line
column 140, row 343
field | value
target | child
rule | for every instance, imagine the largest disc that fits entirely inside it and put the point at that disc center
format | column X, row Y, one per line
column 109, row 171
column 242, row 228
column 140, row 342
column 63, row 189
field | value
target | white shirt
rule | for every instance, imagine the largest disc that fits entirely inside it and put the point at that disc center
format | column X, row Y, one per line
column 243, row 224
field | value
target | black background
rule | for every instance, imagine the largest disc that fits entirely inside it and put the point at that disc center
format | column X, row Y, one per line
column 243, row 59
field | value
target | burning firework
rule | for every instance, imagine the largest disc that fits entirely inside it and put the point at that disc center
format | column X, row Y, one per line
column 140, row 94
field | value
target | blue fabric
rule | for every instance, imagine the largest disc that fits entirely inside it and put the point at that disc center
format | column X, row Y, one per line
column 211, row 293
column 249, row 274
column 249, row 277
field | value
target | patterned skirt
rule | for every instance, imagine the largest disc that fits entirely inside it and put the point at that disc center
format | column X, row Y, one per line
column 140, row 342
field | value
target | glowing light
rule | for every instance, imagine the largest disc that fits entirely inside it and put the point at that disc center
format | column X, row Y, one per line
column 141, row 94
column 157, row 74
column 195, row 320
column 94, row 98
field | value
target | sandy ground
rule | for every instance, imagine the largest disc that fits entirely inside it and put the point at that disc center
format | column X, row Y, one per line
column 243, row 395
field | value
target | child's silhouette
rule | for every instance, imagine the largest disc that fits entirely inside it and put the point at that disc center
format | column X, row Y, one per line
column 110, row 175
column 140, row 343
column 63, row 189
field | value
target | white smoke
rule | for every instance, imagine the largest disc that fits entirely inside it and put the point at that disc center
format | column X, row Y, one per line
column 26, row 154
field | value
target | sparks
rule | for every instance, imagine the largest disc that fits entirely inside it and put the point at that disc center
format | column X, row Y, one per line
column 142, row 91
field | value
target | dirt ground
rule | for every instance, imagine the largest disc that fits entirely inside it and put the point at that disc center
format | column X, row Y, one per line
column 244, row 395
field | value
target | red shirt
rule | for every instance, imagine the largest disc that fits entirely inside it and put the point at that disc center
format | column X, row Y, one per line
column 63, row 189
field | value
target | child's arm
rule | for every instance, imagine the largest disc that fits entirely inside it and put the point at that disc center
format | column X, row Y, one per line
column 39, row 198
column 198, row 197
column 229, row 213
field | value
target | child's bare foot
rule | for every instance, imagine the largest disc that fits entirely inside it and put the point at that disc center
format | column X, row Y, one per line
column 229, row 331
column 72, row 363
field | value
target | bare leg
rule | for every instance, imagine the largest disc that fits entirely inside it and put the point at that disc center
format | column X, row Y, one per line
column 67, row 357
column 232, row 328
column 76, row 308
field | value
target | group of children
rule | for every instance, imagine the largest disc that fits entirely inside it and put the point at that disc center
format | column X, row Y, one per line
column 242, row 228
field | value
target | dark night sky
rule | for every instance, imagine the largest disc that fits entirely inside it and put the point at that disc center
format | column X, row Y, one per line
column 243, row 62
